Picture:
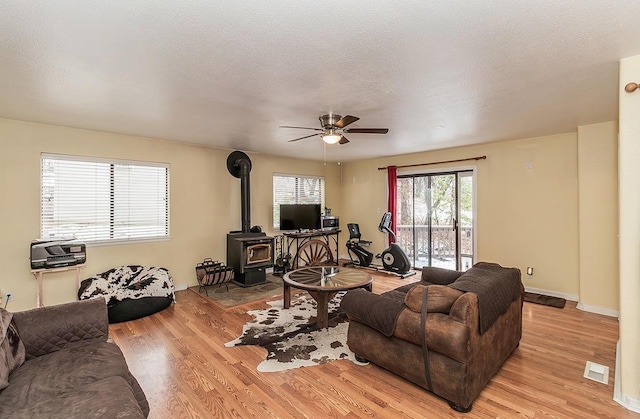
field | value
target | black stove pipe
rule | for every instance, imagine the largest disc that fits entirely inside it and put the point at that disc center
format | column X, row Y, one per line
column 245, row 194
column 239, row 165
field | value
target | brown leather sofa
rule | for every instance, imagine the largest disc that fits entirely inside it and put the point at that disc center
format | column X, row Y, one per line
column 71, row 369
column 473, row 323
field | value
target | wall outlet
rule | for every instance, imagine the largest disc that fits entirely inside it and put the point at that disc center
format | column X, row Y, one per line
column 9, row 296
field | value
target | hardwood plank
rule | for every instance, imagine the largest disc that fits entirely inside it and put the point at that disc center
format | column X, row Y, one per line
column 179, row 358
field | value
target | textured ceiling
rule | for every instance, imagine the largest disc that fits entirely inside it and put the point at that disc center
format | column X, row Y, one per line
column 227, row 73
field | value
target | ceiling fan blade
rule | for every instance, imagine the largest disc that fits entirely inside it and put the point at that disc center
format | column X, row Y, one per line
column 288, row 126
column 306, row 136
column 343, row 140
column 346, row 120
column 367, row 130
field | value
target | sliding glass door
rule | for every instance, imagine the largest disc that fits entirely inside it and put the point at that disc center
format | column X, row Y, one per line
column 435, row 213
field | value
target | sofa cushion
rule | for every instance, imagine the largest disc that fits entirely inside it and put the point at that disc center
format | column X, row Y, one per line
column 444, row 335
column 12, row 352
column 52, row 328
column 440, row 298
column 110, row 397
column 63, row 374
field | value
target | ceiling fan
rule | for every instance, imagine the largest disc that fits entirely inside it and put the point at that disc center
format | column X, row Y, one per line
column 334, row 128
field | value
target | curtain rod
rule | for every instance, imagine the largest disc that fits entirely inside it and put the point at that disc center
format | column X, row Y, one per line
column 437, row 162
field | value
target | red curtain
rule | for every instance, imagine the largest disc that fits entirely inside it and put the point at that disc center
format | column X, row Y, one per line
column 392, row 191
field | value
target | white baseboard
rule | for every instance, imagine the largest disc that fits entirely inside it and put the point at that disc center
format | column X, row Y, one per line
column 580, row 306
column 598, row 310
column 180, row 287
column 569, row 297
column 624, row 400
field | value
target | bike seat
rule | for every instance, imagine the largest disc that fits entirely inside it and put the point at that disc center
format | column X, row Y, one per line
column 355, row 236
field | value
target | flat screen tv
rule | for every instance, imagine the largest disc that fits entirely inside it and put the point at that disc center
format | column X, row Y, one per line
column 300, row 216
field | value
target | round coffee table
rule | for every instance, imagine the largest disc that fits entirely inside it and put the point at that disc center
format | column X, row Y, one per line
column 323, row 283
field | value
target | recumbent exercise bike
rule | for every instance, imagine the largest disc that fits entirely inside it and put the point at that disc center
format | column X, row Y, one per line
column 394, row 259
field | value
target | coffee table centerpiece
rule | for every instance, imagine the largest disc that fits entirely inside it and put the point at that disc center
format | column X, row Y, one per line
column 323, row 283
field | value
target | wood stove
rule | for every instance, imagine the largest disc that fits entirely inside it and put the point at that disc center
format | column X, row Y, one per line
column 250, row 253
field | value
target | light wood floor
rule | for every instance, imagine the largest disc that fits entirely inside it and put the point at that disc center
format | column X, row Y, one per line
column 179, row 358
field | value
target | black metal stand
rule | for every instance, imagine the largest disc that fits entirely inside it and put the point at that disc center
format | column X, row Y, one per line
column 282, row 264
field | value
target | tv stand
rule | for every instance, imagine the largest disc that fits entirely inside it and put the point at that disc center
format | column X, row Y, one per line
column 299, row 239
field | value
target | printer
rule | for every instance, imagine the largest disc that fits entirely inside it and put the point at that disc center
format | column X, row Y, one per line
column 56, row 253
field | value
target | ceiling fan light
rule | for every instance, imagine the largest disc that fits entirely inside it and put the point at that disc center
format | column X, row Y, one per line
column 331, row 137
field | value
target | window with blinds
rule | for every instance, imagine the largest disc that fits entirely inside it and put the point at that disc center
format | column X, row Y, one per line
column 295, row 189
column 103, row 201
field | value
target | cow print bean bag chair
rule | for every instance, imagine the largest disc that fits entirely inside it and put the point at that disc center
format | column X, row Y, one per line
column 131, row 291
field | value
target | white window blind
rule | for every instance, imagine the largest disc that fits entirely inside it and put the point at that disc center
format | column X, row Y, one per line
column 295, row 189
column 98, row 200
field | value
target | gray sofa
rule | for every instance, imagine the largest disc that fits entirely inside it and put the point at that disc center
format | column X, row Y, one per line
column 71, row 369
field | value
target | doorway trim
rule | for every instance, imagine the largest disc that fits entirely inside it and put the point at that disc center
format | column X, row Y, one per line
column 448, row 170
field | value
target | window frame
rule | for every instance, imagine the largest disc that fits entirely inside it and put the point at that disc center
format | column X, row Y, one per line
column 276, row 210
column 112, row 162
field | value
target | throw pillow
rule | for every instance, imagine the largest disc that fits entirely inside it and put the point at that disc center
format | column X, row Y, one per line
column 12, row 352
column 440, row 298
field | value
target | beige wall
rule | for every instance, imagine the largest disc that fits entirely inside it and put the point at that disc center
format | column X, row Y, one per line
column 629, row 185
column 537, row 202
column 525, row 216
column 598, row 218
column 205, row 203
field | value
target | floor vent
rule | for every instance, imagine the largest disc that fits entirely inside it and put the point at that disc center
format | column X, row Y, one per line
column 596, row 372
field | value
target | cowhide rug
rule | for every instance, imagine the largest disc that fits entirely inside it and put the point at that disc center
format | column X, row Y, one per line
column 291, row 337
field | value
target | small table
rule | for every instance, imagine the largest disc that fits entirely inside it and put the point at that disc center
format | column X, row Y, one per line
column 39, row 273
column 323, row 283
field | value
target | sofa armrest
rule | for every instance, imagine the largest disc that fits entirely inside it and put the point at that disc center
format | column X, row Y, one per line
column 49, row 329
column 377, row 311
column 465, row 308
